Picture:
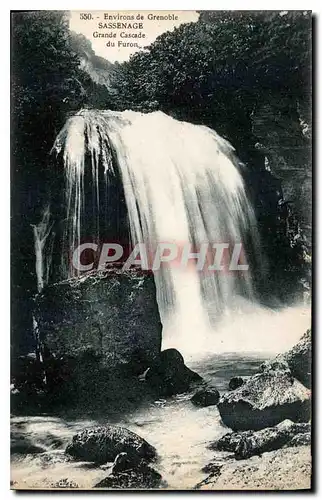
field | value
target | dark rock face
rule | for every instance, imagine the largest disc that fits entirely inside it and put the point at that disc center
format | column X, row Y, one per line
column 266, row 399
column 206, row 397
column 103, row 444
column 282, row 125
column 282, row 192
column 27, row 374
column 235, row 382
column 248, row 443
column 142, row 477
column 169, row 375
column 299, row 359
column 112, row 314
column 123, row 462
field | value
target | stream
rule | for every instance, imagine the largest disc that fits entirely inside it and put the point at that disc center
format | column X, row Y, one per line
column 179, row 431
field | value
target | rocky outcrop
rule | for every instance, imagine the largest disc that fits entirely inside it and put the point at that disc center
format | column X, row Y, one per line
column 282, row 126
column 248, row 443
column 103, row 443
column 266, row 399
column 206, row 397
column 98, row 68
column 169, row 375
column 284, row 469
column 299, row 359
column 114, row 315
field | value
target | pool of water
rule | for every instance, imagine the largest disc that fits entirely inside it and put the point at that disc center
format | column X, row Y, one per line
column 179, row 431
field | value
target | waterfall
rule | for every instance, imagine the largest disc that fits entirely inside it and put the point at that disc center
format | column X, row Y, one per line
column 43, row 244
column 182, row 183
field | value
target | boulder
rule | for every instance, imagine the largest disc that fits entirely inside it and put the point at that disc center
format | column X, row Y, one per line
column 299, row 359
column 112, row 314
column 301, row 439
column 169, row 375
column 141, row 477
column 102, row 444
column 266, row 399
column 206, row 397
column 235, row 382
column 248, row 443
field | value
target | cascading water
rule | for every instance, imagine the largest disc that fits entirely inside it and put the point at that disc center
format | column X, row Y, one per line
column 181, row 183
column 43, row 242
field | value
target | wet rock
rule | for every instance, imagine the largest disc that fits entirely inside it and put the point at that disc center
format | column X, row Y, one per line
column 140, row 360
column 123, row 462
column 301, row 439
column 248, row 443
column 299, row 359
column 112, row 314
column 275, row 366
column 103, row 443
column 235, row 382
column 142, row 477
column 169, row 375
column 206, row 397
column 266, row 399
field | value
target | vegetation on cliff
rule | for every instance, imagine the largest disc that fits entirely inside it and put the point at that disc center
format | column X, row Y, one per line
column 217, row 70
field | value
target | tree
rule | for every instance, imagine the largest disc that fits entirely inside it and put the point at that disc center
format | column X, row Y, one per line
column 216, row 70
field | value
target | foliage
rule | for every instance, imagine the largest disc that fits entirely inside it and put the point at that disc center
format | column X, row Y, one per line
column 47, row 84
column 215, row 70
column 47, row 80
